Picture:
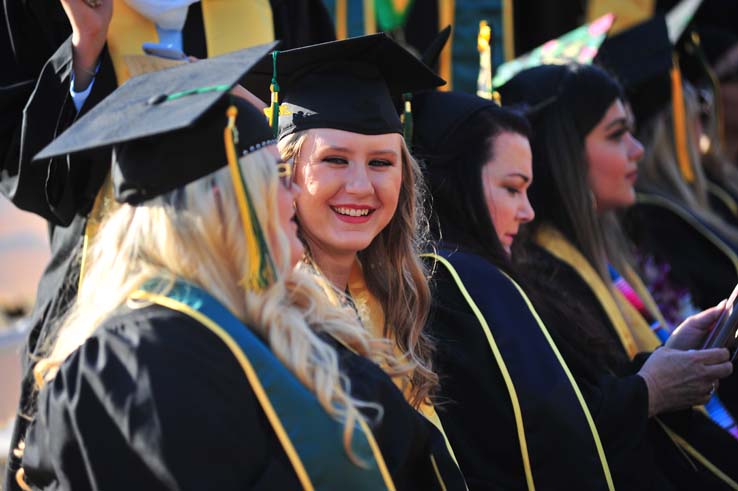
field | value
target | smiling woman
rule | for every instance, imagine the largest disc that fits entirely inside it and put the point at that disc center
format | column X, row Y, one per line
column 360, row 212
column 352, row 187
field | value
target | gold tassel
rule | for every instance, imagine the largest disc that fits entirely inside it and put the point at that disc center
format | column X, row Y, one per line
column 680, row 123
column 260, row 268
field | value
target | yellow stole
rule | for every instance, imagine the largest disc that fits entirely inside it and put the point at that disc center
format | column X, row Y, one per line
column 230, row 25
column 371, row 316
column 634, row 333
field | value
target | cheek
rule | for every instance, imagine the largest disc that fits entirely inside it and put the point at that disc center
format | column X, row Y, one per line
column 387, row 185
column 605, row 169
column 501, row 209
column 317, row 184
column 285, row 203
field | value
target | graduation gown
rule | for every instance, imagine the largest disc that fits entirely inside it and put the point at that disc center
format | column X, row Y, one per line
column 722, row 200
column 476, row 405
column 155, row 400
column 700, row 259
column 37, row 107
column 640, row 451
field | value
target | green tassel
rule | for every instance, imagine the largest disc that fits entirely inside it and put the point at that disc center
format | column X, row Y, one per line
column 274, row 89
column 266, row 269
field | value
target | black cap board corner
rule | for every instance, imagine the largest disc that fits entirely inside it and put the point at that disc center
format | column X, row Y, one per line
column 166, row 129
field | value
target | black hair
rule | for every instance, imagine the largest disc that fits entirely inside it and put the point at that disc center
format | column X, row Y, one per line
column 459, row 209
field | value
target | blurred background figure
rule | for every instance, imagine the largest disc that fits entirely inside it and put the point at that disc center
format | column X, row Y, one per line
column 24, row 250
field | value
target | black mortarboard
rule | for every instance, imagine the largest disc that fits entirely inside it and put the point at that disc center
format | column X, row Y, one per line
column 640, row 58
column 438, row 116
column 346, row 85
column 166, row 128
column 584, row 91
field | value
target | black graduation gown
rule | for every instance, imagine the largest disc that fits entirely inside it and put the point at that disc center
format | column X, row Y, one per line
column 154, row 400
column 696, row 262
column 37, row 107
column 642, row 457
column 722, row 201
column 474, row 403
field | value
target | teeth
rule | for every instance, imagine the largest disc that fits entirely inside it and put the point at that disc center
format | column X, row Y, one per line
column 352, row 212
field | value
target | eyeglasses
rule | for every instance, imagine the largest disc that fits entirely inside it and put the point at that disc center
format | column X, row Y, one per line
column 284, row 172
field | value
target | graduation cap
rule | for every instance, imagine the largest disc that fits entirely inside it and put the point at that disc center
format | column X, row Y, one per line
column 170, row 128
column 438, row 117
column 640, row 58
column 586, row 91
column 347, row 85
column 166, row 128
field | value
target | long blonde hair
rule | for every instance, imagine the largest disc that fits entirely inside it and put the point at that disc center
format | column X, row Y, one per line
column 194, row 233
column 659, row 170
column 394, row 273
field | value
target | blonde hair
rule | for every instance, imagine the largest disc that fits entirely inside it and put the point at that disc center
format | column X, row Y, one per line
column 394, row 273
column 194, row 233
column 659, row 169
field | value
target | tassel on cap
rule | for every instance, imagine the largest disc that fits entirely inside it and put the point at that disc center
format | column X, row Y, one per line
column 680, row 123
column 261, row 268
column 274, row 90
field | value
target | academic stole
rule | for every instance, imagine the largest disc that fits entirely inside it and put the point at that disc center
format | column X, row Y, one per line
column 371, row 315
column 229, row 25
column 524, row 384
column 310, row 437
column 632, row 329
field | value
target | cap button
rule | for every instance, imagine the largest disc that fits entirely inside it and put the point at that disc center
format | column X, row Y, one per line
column 157, row 99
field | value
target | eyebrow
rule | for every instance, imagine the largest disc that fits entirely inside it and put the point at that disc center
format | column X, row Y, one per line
column 332, row 148
column 384, row 152
column 518, row 174
column 617, row 122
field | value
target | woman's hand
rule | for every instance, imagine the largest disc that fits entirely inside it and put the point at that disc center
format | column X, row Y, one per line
column 681, row 379
column 89, row 32
column 691, row 333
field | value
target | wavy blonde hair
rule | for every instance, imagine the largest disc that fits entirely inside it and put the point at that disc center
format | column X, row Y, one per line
column 194, row 233
column 394, row 273
column 659, row 169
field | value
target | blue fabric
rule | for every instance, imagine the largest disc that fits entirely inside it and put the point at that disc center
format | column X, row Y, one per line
column 171, row 38
column 80, row 97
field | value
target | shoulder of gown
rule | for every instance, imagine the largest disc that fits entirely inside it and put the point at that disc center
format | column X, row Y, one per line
column 155, row 393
